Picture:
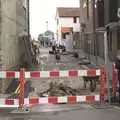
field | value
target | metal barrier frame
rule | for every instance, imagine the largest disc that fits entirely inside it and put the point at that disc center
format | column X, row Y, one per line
column 54, row 74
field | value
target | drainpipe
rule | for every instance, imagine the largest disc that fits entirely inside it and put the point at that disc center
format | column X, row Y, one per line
column 94, row 32
column 28, row 18
column 28, row 31
column 107, row 63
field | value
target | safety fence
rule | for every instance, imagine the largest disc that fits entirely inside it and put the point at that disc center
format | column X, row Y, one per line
column 50, row 74
column 22, row 75
column 114, row 81
column 50, row 100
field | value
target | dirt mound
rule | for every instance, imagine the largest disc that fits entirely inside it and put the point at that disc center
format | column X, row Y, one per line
column 59, row 89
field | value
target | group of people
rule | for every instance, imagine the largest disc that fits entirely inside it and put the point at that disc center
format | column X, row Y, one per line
column 46, row 44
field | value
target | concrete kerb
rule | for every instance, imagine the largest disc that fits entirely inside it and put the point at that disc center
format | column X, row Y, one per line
column 116, row 107
column 102, row 106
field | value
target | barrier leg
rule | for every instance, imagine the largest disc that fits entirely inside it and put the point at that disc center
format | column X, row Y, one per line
column 21, row 95
column 114, row 81
column 102, row 85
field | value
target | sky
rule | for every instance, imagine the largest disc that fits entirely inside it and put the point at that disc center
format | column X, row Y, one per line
column 45, row 10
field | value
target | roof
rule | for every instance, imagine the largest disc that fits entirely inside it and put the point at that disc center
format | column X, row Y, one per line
column 68, row 12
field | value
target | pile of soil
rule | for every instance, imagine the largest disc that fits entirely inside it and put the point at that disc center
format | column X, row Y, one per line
column 59, row 89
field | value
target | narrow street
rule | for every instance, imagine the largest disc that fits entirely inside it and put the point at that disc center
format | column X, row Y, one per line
column 60, row 111
column 59, row 59
column 49, row 63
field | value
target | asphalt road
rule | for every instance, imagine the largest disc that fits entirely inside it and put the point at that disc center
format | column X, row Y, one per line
column 64, row 112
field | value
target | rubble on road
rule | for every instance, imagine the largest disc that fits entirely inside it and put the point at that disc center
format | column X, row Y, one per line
column 59, row 89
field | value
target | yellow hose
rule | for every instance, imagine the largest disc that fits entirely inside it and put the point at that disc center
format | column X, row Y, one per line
column 17, row 91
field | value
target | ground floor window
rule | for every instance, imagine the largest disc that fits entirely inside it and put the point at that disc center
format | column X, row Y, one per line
column 64, row 35
column 110, row 41
column 118, row 39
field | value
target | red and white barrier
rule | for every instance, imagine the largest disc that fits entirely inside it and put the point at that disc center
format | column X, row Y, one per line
column 64, row 73
column 50, row 100
column 9, row 103
column 9, row 74
column 114, row 80
column 49, row 74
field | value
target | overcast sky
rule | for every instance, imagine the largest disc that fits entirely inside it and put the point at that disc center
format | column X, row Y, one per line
column 45, row 10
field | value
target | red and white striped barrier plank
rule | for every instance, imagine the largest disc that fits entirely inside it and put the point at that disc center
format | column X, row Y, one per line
column 50, row 74
column 9, row 103
column 63, row 99
column 50, row 100
column 9, row 74
column 64, row 73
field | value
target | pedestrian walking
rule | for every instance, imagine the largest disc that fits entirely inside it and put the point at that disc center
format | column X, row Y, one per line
column 117, row 66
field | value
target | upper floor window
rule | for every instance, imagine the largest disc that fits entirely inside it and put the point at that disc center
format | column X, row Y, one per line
column 57, row 22
column 84, row 5
column 88, row 9
column 75, row 19
column 113, row 7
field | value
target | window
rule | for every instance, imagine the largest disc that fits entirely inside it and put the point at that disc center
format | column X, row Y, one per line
column 90, row 8
column 57, row 22
column 118, row 40
column 87, row 9
column 84, row 5
column 110, row 41
column 75, row 19
column 64, row 35
column 113, row 6
column 100, row 12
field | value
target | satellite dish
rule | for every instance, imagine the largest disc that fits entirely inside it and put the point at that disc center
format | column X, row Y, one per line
column 118, row 12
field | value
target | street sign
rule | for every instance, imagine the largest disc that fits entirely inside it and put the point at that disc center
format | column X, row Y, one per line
column 118, row 12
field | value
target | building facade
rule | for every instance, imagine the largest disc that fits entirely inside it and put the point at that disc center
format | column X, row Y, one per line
column 95, row 17
column 112, row 21
column 13, row 24
column 88, row 25
column 13, row 31
column 67, row 24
